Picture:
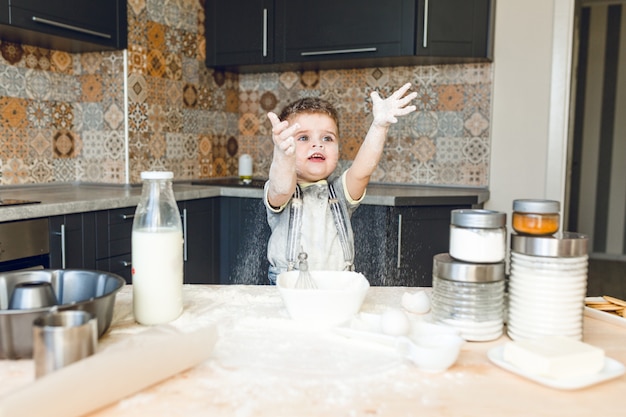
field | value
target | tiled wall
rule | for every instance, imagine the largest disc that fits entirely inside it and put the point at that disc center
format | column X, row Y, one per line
column 62, row 115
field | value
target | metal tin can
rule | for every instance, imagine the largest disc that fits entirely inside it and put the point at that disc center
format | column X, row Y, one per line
column 469, row 297
column 547, row 286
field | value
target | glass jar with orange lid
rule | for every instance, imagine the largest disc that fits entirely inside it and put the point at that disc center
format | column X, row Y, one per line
column 536, row 217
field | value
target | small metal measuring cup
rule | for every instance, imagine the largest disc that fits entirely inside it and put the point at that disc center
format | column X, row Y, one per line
column 61, row 338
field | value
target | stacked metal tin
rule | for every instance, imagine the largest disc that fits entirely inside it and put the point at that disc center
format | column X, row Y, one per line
column 547, row 285
column 468, row 282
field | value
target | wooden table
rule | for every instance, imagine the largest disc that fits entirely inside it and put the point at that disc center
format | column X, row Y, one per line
column 264, row 364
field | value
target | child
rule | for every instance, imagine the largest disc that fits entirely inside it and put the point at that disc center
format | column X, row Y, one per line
column 309, row 212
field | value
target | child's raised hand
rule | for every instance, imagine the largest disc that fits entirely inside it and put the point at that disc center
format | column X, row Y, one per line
column 386, row 111
column 282, row 134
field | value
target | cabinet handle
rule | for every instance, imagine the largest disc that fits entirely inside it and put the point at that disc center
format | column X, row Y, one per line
column 399, row 259
column 425, row 43
column 184, row 235
column 63, row 246
column 126, row 264
column 70, row 27
column 338, row 51
column 128, row 216
column 264, row 32
column 62, row 234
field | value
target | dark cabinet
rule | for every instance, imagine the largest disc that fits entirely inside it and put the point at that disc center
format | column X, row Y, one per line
column 239, row 32
column 226, row 241
column 200, row 227
column 71, row 25
column 201, row 248
column 454, row 28
column 244, row 233
column 395, row 245
column 113, row 241
column 72, row 241
column 298, row 34
column 347, row 29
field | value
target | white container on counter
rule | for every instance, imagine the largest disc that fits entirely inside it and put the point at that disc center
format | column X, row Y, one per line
column 478, row 235
column 245, row 167
column 469, row 297
column 547, row 286
column 157, row 252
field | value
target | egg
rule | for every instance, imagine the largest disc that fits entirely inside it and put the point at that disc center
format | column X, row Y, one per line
column 417, row 302
column 395, row 322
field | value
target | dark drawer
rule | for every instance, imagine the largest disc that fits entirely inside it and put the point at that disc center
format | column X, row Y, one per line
column 114, row 229
column 120, row 265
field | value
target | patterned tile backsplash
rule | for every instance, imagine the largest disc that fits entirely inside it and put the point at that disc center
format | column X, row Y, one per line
column 62, row 115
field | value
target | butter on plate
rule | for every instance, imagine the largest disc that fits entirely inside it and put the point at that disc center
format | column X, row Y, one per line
column 554, row 357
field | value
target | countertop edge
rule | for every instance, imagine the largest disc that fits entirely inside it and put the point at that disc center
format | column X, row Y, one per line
column 69, row 198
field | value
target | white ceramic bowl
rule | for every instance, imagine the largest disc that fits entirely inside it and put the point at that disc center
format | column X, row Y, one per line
column 433, row 353
column 337, row 298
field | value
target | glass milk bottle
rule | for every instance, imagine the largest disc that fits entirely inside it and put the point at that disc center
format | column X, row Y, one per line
column 157, row 252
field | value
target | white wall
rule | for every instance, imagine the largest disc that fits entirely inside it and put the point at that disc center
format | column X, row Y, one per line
column 532, row 64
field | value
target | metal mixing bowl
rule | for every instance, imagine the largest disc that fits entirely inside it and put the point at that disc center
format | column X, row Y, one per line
column 75, row 289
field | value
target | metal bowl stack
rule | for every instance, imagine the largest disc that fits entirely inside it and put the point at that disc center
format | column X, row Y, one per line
column 74, row 289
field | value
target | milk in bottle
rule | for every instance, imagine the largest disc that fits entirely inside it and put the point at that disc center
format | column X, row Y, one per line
column 157, row 252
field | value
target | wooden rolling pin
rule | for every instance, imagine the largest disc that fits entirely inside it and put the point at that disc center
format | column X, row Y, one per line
column 108, row 376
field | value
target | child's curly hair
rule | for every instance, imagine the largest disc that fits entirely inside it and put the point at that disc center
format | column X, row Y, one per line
column 310, row 105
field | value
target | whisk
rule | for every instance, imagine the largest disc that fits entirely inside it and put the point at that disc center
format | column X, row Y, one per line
column 304, row 281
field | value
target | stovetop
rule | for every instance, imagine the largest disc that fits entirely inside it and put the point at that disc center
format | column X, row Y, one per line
column 16, row 202
column 231, row 182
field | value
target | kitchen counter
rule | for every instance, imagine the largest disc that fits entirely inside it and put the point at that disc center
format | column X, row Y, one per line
column 264, row 364
column 65, row 198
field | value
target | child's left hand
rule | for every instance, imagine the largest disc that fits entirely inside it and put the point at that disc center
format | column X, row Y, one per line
column 386, row 111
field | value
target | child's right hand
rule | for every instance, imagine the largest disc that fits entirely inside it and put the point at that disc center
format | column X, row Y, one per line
column 282, row 134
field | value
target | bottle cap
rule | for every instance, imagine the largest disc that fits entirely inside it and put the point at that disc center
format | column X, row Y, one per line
column 157, row 175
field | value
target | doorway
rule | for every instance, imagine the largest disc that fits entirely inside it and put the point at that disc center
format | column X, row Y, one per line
column 597, row 203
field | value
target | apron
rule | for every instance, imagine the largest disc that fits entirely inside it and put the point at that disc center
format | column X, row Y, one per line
column 340, row 216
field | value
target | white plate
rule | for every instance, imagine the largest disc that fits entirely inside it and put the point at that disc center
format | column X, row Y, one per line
column 602, row 315
column 612, row 369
